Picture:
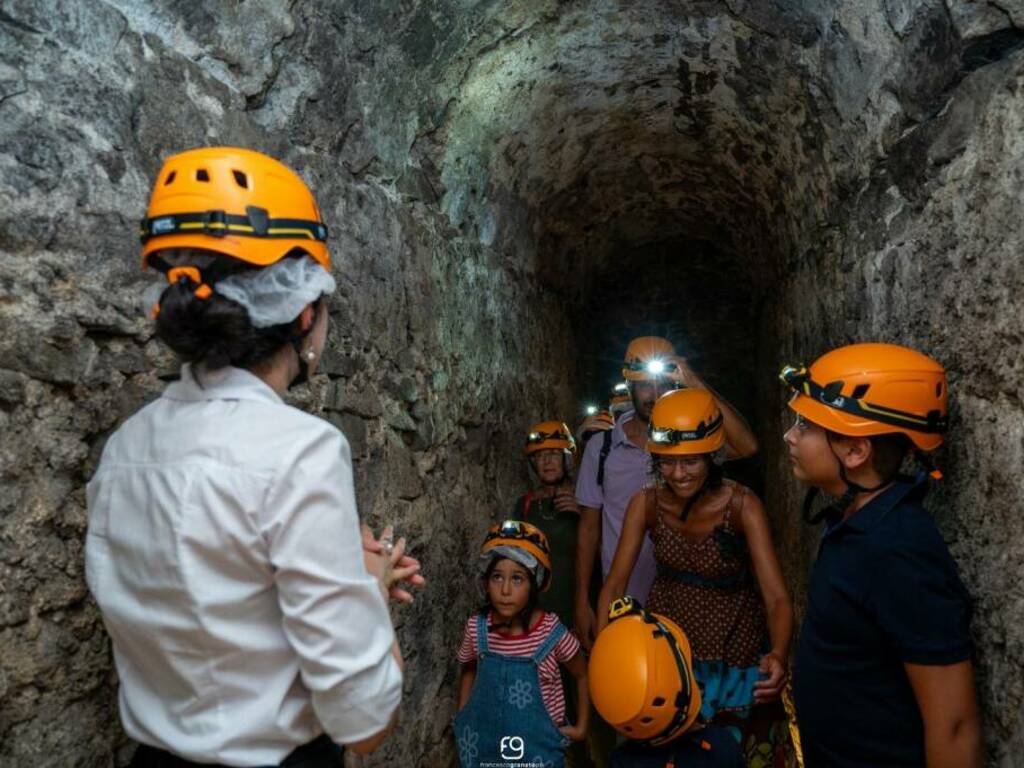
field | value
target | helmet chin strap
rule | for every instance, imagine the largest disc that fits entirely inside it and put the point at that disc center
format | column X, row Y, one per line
column 835, row 510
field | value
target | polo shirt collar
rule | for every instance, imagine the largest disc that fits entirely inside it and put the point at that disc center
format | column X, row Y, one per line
column 227, row 383
column 868, row 516
column 619, row 435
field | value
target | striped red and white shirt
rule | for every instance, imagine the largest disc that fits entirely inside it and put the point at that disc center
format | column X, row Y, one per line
column 526, row 645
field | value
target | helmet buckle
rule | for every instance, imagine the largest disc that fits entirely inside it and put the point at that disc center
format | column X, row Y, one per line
column 215, row 223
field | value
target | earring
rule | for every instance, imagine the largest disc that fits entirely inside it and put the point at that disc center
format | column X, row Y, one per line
column 309, row 355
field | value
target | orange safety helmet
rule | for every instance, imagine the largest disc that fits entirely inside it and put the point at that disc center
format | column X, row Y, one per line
column 549, row 434
column 236, row 202
column 863, row 390
column 512, row 539
column 649, row 358
column 641, row 675
column 685, row 422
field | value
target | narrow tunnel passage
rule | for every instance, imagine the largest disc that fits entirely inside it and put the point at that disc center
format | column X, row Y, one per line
column 514, row 190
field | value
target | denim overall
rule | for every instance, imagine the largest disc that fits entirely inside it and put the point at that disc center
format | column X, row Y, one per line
column 505, row 722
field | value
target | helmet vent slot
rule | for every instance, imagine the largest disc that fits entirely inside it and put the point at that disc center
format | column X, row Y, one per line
column 646, row 720
column 938, row 389
column 202, row 175
column 860, row 390
column 241, row 179
column 658, row 702
column 170, row 177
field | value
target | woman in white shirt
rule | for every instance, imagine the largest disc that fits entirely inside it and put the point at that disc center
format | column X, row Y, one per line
column 248, row 619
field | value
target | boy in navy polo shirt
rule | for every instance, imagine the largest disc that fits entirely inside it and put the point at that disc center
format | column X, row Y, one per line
column 883, row 675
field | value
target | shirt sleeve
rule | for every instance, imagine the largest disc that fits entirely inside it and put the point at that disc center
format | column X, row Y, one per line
column 467, row 650
column 334, row 614
column 588, row 492
column 919, row 601
column 566, row 647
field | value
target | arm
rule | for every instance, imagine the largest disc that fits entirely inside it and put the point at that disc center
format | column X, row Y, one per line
column 777, row 604
column 333, row 610
column 949, row 709
column 740, row 442
column 634, row 526
column 466, row 679
column 577, row 667
column 588, row 538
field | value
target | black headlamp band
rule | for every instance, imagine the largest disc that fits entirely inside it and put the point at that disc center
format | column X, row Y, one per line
column 256, row 223
column 831, row 395
column 677, row 436
column 544, row 436
column 641, row 365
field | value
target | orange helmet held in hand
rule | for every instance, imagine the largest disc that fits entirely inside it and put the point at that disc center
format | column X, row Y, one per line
column 641, row 675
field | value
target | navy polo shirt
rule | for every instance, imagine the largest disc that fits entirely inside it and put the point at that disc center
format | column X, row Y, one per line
column 883, row 591
column 711, row 747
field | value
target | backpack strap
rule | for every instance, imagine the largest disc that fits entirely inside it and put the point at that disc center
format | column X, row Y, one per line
column 606, row 448
column 481, row 634
column 527, row 503
column 549, row 644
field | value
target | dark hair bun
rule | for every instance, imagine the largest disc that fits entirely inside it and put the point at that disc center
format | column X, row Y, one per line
column 214, row 331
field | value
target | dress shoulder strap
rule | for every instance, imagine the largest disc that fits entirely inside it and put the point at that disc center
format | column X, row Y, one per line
column 734, row 506
column 481, row 634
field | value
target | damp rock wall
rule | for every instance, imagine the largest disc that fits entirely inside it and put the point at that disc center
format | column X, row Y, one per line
column 507, row 184
column 439, row 354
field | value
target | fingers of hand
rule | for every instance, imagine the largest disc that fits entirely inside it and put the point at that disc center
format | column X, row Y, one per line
column 398, row 552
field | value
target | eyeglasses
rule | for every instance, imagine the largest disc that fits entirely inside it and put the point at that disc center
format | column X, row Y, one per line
column 801, row 424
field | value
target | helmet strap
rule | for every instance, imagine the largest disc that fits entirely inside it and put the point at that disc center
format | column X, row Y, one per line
column 835, row 511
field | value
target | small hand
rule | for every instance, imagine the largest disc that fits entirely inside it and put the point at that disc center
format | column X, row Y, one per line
column 573, row 732
column 388, row 562
column 769, row 688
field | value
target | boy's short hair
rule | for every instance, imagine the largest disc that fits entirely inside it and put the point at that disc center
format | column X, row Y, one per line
column 888, row 452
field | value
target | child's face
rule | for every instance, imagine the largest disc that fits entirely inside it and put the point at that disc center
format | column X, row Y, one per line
column 550, row 465
column 810, row 454
column 508, row 588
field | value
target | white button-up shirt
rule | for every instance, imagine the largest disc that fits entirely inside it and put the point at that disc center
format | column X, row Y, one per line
column 225, row 554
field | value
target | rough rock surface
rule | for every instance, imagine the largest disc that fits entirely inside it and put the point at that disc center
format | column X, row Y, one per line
column 510, row 185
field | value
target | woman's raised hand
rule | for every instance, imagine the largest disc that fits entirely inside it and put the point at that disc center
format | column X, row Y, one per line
column 386, row 560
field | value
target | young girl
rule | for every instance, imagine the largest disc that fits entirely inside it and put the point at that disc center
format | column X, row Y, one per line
column 511, row 701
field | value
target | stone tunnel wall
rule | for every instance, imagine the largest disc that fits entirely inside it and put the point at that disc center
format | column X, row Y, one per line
column 482, row 165
column 441, row 352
